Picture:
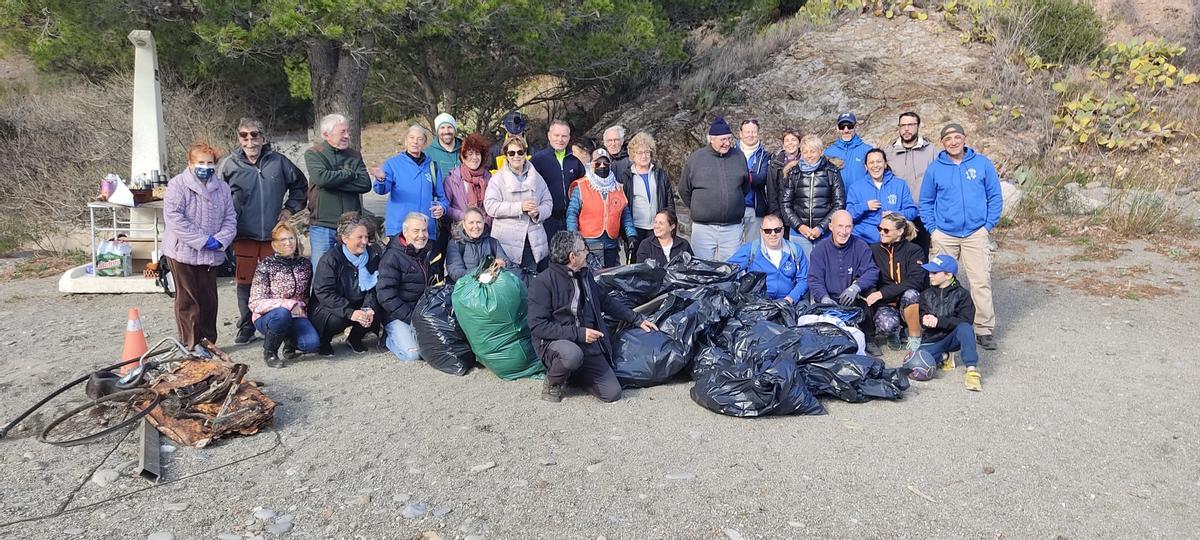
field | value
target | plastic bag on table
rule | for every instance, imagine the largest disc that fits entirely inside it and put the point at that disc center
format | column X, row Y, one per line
column 490, row 304
column 639, row 282
column 855, row 378
column 642, row 359
column 443, row 344
column 748, row 389
column 114, row 258
column 686, row 271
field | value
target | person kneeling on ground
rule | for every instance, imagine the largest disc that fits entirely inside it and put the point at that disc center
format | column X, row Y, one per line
column 781, row 260
column 842, row 267
column 946, row 314
column 471, row 244
column 566, row 307
column 901, row 280
column 278, row 295
column 403, row 275
column 344, row 286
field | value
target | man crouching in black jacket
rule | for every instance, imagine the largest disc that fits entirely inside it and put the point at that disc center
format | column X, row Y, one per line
column 566, row 307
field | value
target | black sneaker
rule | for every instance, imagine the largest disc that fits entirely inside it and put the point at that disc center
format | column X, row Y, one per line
column 986, row 341
column 551, row 392
column 873, row 348
column 325, row 350
column 244, row 335
column 356, row 345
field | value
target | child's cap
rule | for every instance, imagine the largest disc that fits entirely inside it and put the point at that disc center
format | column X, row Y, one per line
column 941, row 263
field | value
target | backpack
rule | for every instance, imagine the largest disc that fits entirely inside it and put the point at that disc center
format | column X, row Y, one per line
column 165, row 278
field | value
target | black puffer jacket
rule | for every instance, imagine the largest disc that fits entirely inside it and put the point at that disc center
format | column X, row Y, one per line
column 403, row 275
column 951, row 305
column 775, row 184
column 335, row 287
column 809, row 198
column 464, row 253
column 899, row 269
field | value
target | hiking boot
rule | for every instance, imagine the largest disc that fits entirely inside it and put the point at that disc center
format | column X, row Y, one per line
column 354, row 340
column 948, row 362
column 270, row 350
column 873, row 348
column 986, row 341
column 973, row 380
column 893, row 341
column 326, row 350
column 551, row 392
column 289, row 350
column 245, row 335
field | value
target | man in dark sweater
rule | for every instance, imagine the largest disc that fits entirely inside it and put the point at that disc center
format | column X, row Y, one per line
column 339, row 178
column 841, row 268
column 558, row 167
column 713, row 187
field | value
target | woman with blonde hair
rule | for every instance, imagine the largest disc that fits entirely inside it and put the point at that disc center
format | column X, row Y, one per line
column 812, row 192
column 901, row 280
column 519, row 202
column 647, row 186
column 279, row 298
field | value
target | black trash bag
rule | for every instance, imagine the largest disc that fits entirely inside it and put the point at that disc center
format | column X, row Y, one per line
column 642, row 359
column 852, row 316
column 820, row 342
column 855, row 378
column 748, row 314
column 686, row 272
column 691, row 316
column 640, row 282
column 626, row 299
column 708, row 360
column 442, row 342
column 747, row 389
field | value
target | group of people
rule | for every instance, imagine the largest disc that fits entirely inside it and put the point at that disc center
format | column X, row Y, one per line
column 831, row 225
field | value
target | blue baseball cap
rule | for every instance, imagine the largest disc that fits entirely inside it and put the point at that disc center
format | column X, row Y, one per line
column 847, row 117
column 941, row 263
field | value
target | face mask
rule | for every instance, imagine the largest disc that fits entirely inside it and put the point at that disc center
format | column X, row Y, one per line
column 602, row 171
column 204, row 173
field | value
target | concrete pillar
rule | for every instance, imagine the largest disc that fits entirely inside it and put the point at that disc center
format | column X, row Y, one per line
column 149, row 132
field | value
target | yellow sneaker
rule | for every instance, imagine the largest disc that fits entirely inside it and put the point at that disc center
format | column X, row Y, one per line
column 948, row 362
column 973, row 381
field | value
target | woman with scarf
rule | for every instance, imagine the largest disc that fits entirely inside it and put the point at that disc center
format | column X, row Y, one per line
column 344, row 286
column 599, row 211
column 901, row 279
column 781, row 164
column 279, row 296
column 200, row 223
column 468, row 182
column 812, row 191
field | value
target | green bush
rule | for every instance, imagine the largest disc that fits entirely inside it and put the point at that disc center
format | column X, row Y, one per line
column 1060, row 31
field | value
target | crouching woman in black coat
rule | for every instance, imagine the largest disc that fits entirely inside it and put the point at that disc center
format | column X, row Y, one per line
column 901, row 280
column 344, row 286
column 566, row 310
column 471, row 244
column 403, row 275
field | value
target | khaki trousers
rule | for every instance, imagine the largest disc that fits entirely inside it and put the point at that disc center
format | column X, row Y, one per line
column 975, row 271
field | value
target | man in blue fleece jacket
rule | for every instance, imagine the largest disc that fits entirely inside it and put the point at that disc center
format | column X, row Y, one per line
column 849, row 148
column 960, row 205
column 841, row 269
column 782, row 261
column 412, row 184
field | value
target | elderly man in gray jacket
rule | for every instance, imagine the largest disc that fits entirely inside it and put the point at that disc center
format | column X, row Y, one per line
column 713, row 187
column 267, row 188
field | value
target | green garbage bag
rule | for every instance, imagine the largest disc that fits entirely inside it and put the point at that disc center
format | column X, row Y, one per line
column 491, row 308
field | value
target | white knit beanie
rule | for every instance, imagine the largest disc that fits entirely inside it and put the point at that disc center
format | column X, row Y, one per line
column 444, row 118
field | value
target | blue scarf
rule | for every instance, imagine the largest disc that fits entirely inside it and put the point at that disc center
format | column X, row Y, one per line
column 808, row 167
column 366, row 280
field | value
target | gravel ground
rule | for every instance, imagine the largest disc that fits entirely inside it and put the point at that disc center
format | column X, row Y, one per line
column 1078, row 433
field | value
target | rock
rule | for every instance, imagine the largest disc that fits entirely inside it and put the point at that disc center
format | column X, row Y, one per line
column 175, row 507
column 483, row 467
column 430, row 535
column 284, row 518
column 290, row 472
column 732, row 534
column 161, row 535
column 73, row 532
column 795, row 524
column 989, row 470
column 440, row 511
column 361, row 500
column 594, row 467
column 279, row 528
column 546, row 462
column 400, row 497
column 473, row 526
column 680, row 476
column 415, row 510
column 104, row 477
column 1011, row 195
column 166, row 449
column 229, row 536
column 263, row 514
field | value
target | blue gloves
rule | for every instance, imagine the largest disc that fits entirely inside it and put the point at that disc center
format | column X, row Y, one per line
column 849, row 295
column 212, row 244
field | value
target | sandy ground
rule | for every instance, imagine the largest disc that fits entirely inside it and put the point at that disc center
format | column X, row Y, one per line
column 1083, row 430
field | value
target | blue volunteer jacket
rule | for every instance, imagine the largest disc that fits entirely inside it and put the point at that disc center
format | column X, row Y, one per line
column 893, row 196
column 959, row 198
column 757, row 165
column 854, row 154
column 790, row 279
column 410, row 188
column 834, row 267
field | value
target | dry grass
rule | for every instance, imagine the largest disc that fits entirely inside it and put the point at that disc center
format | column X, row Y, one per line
column 43, row 264
column 719, row 62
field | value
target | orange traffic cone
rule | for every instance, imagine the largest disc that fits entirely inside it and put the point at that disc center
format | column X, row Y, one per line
column 135, row 340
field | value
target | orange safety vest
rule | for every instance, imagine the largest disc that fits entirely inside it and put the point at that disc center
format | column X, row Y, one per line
column 597, row 215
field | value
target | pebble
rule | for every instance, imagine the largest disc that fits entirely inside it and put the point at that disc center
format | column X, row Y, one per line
column 616, row 438
column 680, row 476
column 166, row 449
column 695, row 434
column 473, row 525
column 440, row 511
column 285, row 518
column 263, row 514
column 279, row 528
column 988, row 470
column 161, row 535
column 361, row 500
column 430, row 535
column 795, row 524
column 546, row 462
column 73, row 532
column 291, row 472
column 415, row 510
column 300, row 490
column 593, row 467
column 229, row 536
column 483, row 467
column 175, row 507
column 733, row 534
column 104, row 477
column 400, row 497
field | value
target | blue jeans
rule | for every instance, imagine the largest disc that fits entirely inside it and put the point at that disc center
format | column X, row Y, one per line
column 963, row 338
column 320, row 240
column 280, row 322
column 715, row 242
column 402, row 341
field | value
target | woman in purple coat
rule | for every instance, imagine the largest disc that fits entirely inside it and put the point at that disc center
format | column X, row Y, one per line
column 200, row 225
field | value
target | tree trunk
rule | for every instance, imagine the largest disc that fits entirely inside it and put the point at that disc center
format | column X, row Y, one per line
column 338, row 80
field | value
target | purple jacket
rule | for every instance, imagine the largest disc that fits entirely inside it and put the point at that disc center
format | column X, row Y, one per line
column 456, row 193
column 193, row 211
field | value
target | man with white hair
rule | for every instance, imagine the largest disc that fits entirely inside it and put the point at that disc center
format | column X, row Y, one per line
column 614, row 143
column 413, row 184
column 713, row 187
column 403, row 276
column 338, row 178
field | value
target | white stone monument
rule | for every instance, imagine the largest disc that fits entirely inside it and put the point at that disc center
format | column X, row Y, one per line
column 149, row 132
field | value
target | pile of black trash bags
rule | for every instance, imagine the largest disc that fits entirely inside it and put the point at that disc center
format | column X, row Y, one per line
column 746, row 354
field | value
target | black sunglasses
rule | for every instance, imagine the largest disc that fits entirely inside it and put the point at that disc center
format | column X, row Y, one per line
column 512, row 153
column 776, row 230
column 885, row 230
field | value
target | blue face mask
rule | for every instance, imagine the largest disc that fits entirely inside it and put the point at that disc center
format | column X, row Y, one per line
column 204, row 172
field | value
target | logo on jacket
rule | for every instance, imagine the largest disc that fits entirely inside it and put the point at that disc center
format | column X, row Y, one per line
column 971, row 174
column 892, row 199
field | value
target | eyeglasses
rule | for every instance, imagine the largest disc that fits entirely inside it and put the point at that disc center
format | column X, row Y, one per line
column 750, row 121
column 514, row 153
column 249, row 134
column 885, row 230
column 846, row 127
column 776, row 230
column 642, row 153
